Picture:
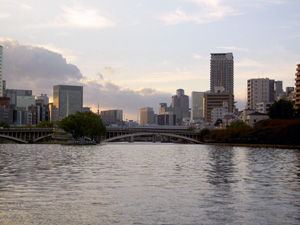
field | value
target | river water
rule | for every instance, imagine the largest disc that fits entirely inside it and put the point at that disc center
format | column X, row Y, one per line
column 146, row 183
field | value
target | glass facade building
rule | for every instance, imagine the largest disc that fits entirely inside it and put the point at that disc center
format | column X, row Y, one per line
column 67, row 99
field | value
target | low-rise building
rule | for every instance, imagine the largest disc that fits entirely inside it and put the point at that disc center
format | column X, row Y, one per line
column 253, row 118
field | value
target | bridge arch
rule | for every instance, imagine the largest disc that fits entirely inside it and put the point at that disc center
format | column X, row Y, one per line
column 153, row 134
column 42, row 137
column 13, row 138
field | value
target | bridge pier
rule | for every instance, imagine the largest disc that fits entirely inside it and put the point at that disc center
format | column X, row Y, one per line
column 131, row 139
column 154, row 138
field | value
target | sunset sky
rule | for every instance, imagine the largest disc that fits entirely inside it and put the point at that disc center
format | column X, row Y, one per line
column 136, row 53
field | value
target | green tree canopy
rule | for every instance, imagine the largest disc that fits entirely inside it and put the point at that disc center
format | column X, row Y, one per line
column 45, row 124
column 86, row 124
column 204, row 132
column 281, row 109
column 4, row 125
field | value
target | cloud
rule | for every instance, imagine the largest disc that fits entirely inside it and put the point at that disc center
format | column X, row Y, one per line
column 78, row 16
column 16, row 3
column 209, row 11
column 277, row 2
column 83, row 17
column 100, row 76
column 232, row 48
column 31, row 67
column 112, row 96
column 39, row 69
column 198, row 57
column 4, row 15
column 244, row 62
column 109, row 70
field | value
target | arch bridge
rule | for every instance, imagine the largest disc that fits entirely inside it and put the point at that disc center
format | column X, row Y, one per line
column 31, row 135
column 114, row 134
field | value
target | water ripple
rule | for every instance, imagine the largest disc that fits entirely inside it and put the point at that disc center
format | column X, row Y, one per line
column 148, row 184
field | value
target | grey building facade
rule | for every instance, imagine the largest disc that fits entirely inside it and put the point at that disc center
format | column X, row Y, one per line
column 67, row 100
column 222, row 71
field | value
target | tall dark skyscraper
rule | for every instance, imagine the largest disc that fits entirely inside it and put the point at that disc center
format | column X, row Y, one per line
column 67, row 100
column 221, row 71
column 1, row 78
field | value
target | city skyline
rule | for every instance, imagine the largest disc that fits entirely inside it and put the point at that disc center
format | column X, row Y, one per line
column 138, row 56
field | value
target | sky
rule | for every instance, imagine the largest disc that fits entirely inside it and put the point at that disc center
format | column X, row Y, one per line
column 137, row 53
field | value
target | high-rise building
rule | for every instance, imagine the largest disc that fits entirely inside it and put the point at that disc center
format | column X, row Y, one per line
column 222, row 71
column 67, row 100
column 216, row 100
column 260, row 90
column 197, row 106
column 1, row 71
column 278, row 90
column 180, row 100
column 146, row 116
column 297, row 98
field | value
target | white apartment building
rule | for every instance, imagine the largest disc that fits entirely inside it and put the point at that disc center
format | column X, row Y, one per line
column 259, row 90
column 217, row 113
column 263, row 107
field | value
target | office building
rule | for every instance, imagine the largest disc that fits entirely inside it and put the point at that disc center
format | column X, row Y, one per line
column 278, row 90
column 260, row 90
column 112, row 116
column 222, row 71
column 43, row 98
column 216, row 100
column 117, row 114
column 197, row 106
column 297, row 97
column 1, row 71
column 180, row 100
column 289, row 91
column 146, row 116
column 67, row 100
column 167, row 118
column 176, row 111
column 162, row 108
column 13, row 95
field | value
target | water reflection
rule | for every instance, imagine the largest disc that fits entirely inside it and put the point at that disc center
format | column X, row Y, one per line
column 148, row 184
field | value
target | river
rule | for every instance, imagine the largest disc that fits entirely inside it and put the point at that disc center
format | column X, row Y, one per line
column 148, row 183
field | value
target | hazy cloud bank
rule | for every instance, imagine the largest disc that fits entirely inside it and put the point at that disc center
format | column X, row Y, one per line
column 39, row 69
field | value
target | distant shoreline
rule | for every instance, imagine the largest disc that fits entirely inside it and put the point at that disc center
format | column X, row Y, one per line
column 255, row 145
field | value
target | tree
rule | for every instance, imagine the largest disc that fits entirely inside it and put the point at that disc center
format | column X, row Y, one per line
column 203, row 132
column 281, row 109
column 238, row 124
column 82, row 124
column 4, row 125
column 45, row 124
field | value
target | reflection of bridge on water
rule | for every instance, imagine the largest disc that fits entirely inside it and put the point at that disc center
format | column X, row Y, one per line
column 32, row 135
column 114, row 134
